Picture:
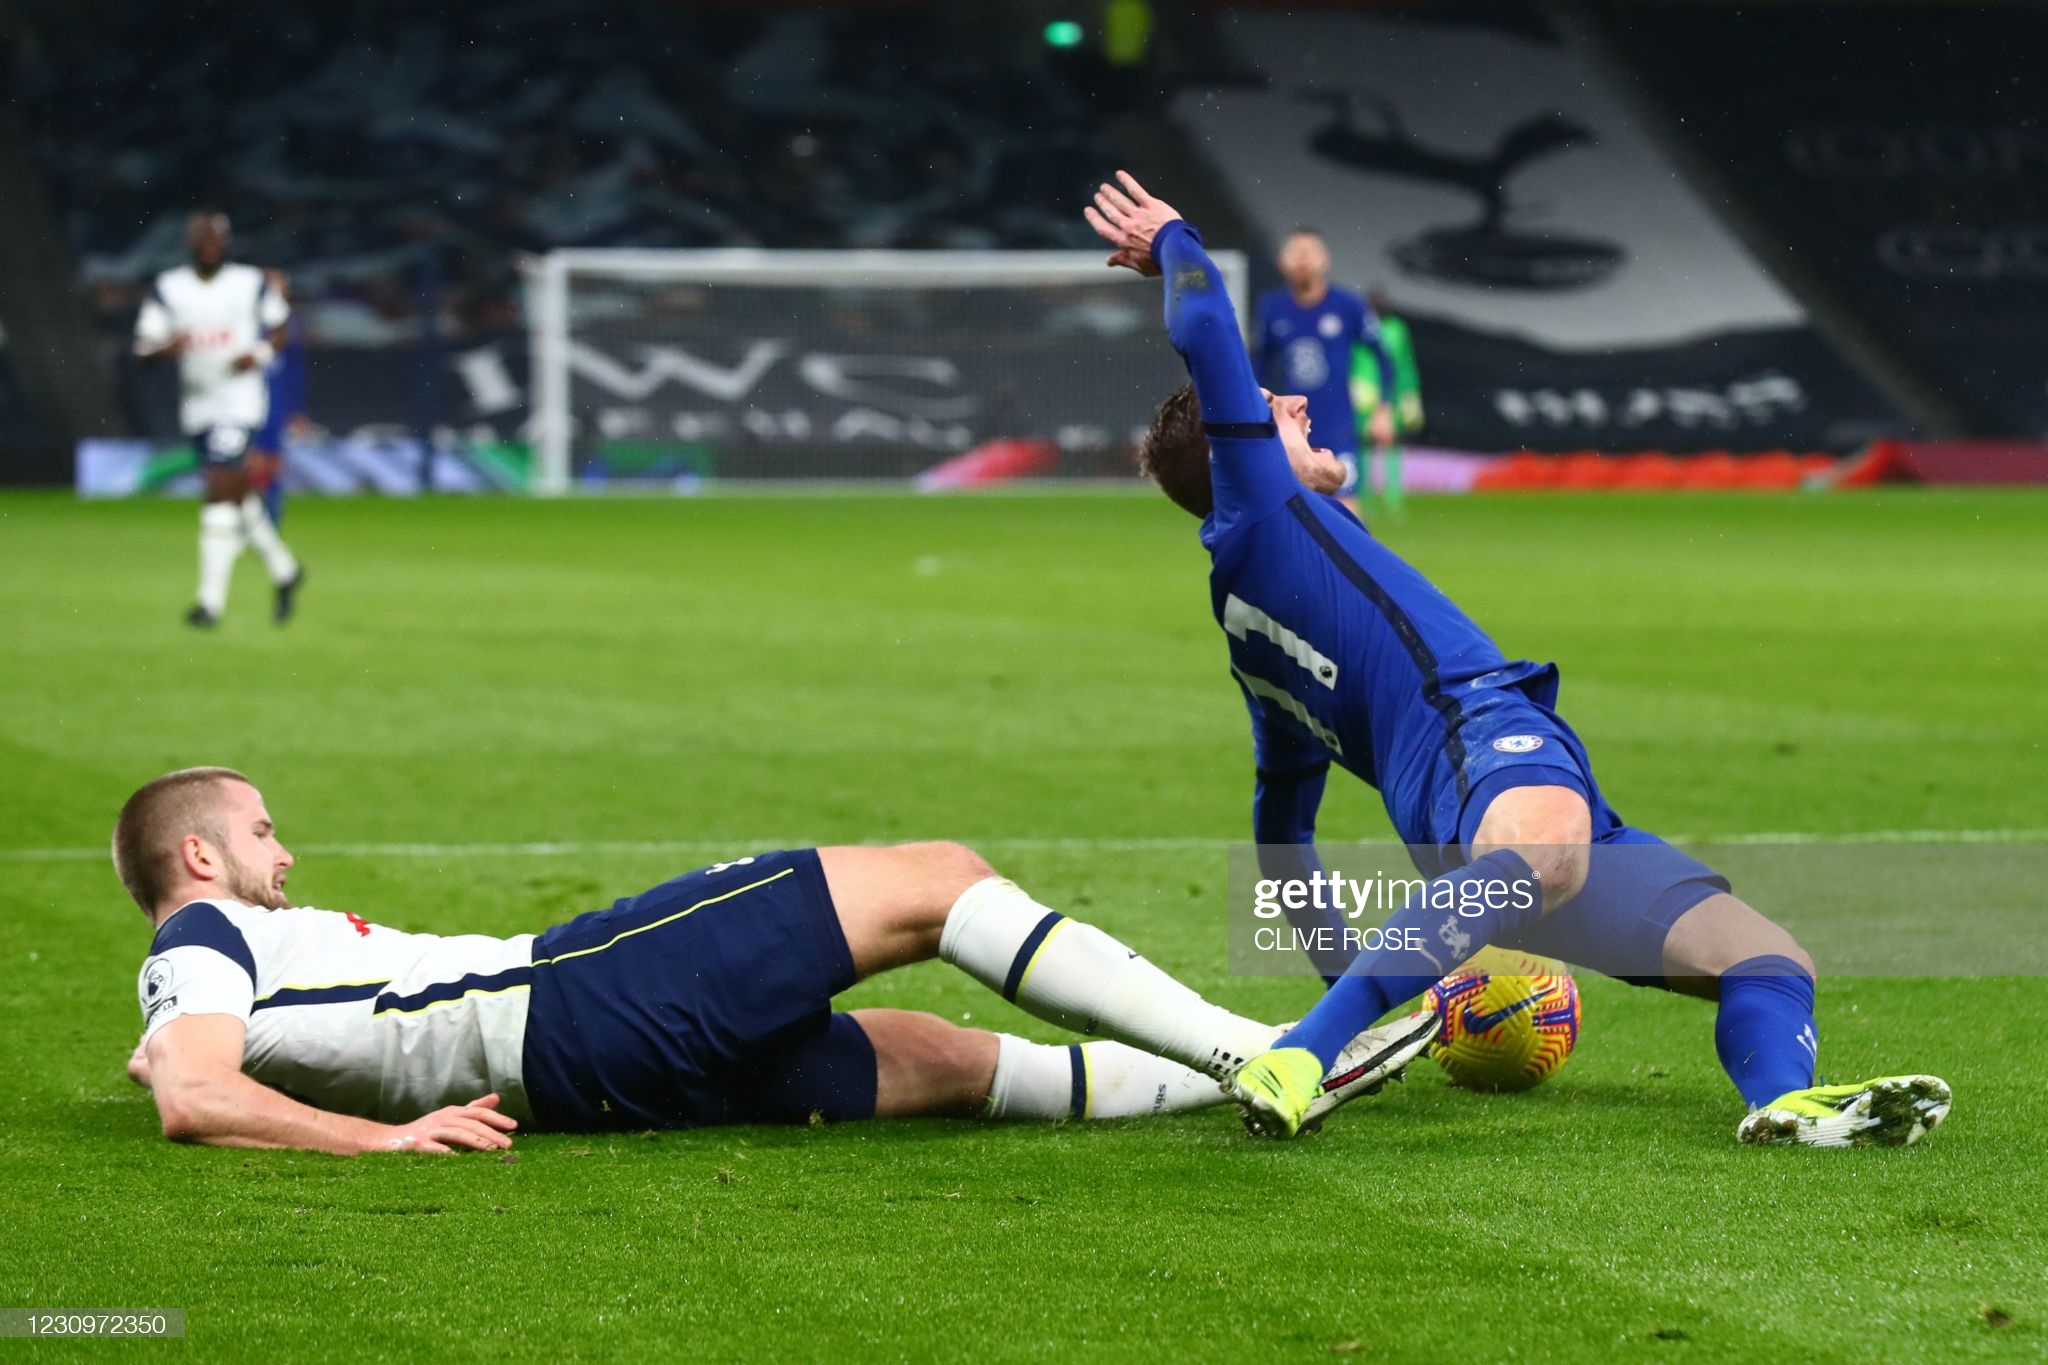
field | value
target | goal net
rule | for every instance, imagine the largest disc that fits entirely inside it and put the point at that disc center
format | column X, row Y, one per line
column 947, row 368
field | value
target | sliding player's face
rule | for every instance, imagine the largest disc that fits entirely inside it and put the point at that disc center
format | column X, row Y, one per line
column 254, row 862
column 1315, row 466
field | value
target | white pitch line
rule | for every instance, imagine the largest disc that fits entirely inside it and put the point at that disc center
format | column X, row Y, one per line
column 590, row 848
column 1874, row 836
column 593, row 848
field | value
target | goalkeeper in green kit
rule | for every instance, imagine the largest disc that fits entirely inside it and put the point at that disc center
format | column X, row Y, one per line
column 1406, row 400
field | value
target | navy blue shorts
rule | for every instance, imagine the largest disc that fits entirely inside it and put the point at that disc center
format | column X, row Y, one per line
column 222, row 447
column 1636, row 888
column 1636, row 884
column 706, row 1000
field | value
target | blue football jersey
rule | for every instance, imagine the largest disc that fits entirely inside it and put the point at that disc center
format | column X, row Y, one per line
column 1308, row 351
column 1344, row 651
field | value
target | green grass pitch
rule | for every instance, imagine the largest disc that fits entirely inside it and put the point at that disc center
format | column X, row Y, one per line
column 1040, row 677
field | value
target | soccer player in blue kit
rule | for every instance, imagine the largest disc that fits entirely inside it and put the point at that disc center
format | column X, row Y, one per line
column 1302, row 335
column 1346, row 654
column 286, row 378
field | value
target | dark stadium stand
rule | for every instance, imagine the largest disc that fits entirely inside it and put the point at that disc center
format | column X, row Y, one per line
column 18, row 428
column 1620, row 227
column 352, row 142
column 1898, row 154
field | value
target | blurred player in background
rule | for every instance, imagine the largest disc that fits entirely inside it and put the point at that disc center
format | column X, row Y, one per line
column 1303, row 335
column 286, row 379
column 1367, row 395
column 1347, row 655
column 221, row 321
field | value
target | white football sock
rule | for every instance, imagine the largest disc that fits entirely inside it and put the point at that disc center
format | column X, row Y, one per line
column 263, row 535
column 1100, row 1080
column 220, row 543
column 1074, row 975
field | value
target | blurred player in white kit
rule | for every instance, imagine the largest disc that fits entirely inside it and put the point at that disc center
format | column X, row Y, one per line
column 222, row 322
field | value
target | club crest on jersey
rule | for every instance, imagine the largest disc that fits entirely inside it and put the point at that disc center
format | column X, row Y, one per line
column 1518, row 744
column 1330, row 324
column 157, row 995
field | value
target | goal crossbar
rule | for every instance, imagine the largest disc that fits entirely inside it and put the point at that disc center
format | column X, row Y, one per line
column 549, row 314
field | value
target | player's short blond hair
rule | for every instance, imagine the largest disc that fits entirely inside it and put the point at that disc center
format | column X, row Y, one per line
column 1175, row 452
column 154, row 822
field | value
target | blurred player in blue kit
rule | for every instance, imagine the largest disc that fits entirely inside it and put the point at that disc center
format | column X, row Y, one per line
column 1303, row 335
column 1346, row 654
column 286, row 379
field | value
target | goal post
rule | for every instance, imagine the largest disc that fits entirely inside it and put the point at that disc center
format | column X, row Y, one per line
column 943, row 368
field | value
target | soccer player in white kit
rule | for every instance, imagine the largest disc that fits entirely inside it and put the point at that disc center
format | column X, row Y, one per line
column 220, row 320
column 704, row 1000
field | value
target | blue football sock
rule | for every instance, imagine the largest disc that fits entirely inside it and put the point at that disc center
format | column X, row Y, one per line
column 273, row 499
column 1764, row 1031
column 1382, row 979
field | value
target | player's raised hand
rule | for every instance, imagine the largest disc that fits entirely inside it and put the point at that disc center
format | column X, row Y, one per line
column 475, row 1127
column 1128, row 218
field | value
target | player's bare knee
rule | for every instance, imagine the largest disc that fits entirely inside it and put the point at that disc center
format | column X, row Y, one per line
column 933, row 877
column 947, row 869
column 1551, row 827
column 1560, row 864
column 969, row 864
column 1561, row 868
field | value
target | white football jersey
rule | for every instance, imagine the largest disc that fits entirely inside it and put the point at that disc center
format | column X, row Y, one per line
column 348, row 1015
column 219, row 318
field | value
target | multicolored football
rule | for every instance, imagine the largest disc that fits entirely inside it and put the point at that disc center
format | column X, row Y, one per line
column 1503, row 1032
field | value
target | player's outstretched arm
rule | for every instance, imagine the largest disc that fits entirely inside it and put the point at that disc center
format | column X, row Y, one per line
column 195, row 1069
column 1152, row 238
column 1128, row 219
column 1251, row 472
